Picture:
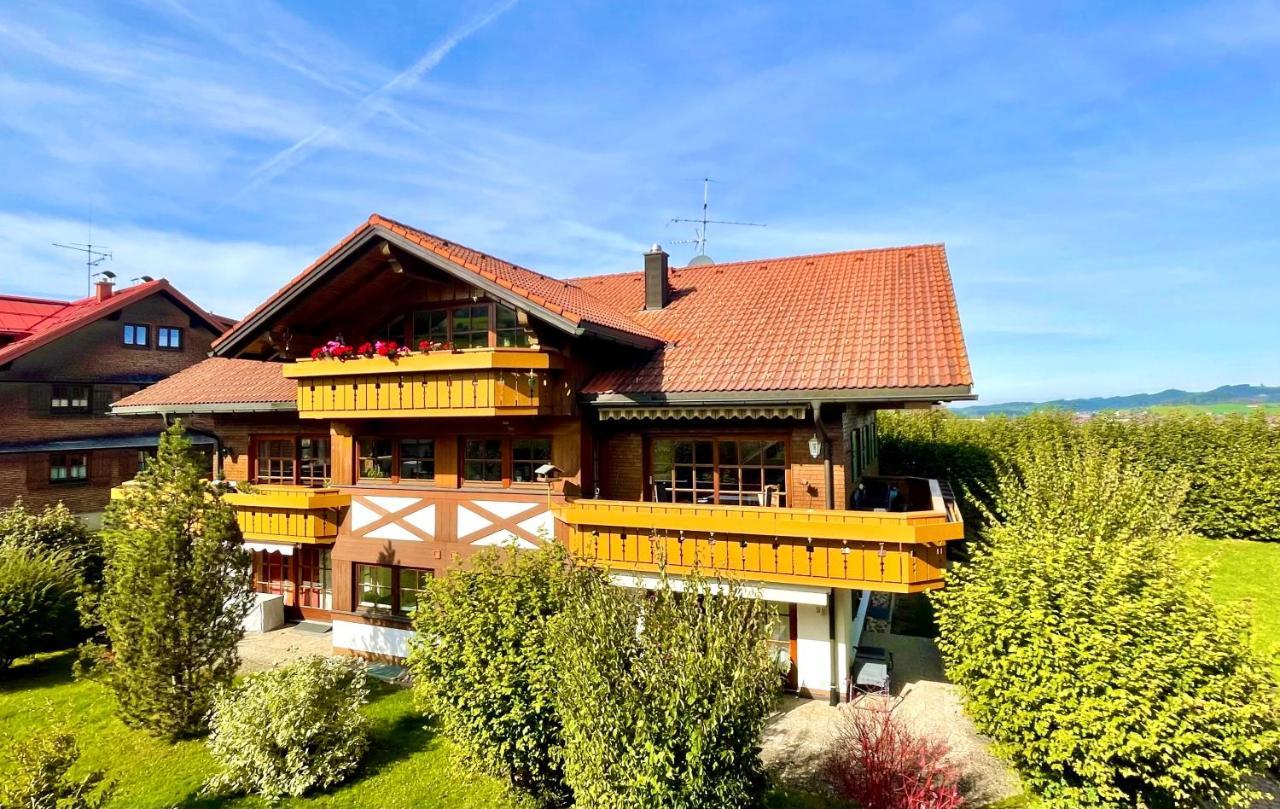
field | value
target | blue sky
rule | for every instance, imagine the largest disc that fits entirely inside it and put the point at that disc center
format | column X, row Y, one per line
column 1106, row 176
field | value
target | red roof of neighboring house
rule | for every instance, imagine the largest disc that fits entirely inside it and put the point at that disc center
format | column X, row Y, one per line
column 833, row 321
column 556, row 295
column 217, row 381
column 35, row 322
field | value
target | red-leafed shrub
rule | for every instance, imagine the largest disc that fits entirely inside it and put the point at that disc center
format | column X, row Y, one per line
column 878, row 762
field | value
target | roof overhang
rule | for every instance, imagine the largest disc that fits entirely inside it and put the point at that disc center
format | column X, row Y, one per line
column 98, row 443
column 194, row 409
column 246, row 330
column 603, row 401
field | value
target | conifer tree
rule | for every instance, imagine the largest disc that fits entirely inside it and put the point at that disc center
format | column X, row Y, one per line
column 176, row 588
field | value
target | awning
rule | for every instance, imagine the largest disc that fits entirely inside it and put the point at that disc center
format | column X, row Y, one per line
column 704, row 412
column 270, row 547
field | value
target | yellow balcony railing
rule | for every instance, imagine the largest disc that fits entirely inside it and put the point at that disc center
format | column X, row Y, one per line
column 289, row 513
column 893, row 552
column 472, row 382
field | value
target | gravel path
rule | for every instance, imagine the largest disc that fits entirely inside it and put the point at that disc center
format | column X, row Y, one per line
column 261, row 651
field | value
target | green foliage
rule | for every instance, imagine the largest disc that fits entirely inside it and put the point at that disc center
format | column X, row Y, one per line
column 482, row 665
column 175, row 590
column 54, row 528
column 290, row 730
column 38, row 776
column 1232, row 462
column 663, row 696
column 1099, row 664
column 38, row 592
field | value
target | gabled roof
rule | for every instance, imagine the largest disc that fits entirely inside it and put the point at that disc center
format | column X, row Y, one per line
column 851, row 321
column 34, row 322
column 217, row 384
column 558, row 300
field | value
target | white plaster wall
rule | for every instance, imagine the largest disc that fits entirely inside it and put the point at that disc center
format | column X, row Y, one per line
column 813, row 655
column 383, row 640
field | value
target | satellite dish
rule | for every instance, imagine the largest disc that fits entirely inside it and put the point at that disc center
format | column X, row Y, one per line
column 700, row 260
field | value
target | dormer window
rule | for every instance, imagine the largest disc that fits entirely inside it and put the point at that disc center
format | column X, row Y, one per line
column 472, row 325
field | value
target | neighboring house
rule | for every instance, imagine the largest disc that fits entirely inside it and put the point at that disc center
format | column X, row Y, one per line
column 62, row 364
column 721, row 416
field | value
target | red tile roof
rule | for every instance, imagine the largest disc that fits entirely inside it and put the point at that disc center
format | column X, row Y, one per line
column 217, row 381
column 35, row 322
column 553, row 294
column 862, row 319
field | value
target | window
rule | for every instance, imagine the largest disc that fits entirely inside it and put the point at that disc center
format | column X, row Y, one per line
column 390, row 588
column 376, row 460
column 69, row 399
column 509, row 332
column 169, row 337
column 275, row 460
column 471, row 326
column 313, row 461
column 527, row 454
column 728, row 471
column 393, row 330
column 137, row 335
column 432, row 326
column 71, row 467
column 417, row 459
column 482, row 460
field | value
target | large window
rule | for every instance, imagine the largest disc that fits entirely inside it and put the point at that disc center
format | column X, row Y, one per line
column 482, row 460
column 292, row 460
column 527, row 454
column 507, row 329
column 390, row 588
column 731, row 471
column 471, row 326
column 169, row 338
column 69, row 399
column 137, row 335
column 397, row 459
column 477, row 325
column 377, row 459
column 432, row 326
column 417, row 459
column 69, row 467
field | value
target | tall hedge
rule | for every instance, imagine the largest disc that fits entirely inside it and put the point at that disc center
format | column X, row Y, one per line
column 175, row 591
column 39, row 588
column 1232, row 463
column 1098, row 663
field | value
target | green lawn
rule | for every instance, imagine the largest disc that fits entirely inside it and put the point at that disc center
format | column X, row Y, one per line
column 407, row 766
column 1243, row 572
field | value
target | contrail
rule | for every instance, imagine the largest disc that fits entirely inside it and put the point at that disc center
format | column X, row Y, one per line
column 367, row 107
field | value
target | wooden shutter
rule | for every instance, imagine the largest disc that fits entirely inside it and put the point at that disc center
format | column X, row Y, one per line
column 39, row 395
column 101, row 397
column 37, row 471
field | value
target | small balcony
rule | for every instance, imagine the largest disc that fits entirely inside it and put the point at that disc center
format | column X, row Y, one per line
column 901, row 551
column 470, row 382
column 294, row 514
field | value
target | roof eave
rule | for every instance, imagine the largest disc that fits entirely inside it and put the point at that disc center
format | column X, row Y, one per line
column 953, row 393
column 214, row 407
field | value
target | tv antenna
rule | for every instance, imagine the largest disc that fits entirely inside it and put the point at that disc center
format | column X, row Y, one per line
column 701, row 231
column 93, row 256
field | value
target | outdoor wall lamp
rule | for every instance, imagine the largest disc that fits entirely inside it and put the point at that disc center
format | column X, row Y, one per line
column 815, row 447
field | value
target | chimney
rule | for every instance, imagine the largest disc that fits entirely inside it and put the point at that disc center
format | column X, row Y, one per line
column 657, row 286
column 103, row 289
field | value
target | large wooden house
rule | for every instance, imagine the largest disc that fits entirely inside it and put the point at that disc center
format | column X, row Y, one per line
column 62, row 364
column 719, row 416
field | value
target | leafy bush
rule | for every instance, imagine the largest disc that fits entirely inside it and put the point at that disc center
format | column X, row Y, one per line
column 1099, row 665
column 290, row 730
column 38, row 593
column 37, row 776
column 481, row 662
column 663, row 696
column 54, row 528
column 1232, row 463
column 877, row 762
column 175, row 590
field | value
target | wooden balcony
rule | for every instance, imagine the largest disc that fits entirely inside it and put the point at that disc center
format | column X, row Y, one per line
column 289, row 513
column 472, row 382
column 892, row 552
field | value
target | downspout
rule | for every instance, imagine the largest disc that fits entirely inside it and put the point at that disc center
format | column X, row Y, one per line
column 829, row 481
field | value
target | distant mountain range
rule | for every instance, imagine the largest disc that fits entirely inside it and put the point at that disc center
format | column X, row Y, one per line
column 1242, row 395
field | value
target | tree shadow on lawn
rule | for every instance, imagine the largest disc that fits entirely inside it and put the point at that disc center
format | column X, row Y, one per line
column 392, row 739
column 46, row 670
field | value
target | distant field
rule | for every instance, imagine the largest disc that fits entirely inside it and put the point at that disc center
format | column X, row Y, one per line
column 1219, row 409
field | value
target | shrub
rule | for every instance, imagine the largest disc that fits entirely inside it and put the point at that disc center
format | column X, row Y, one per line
column 481, row 662
column 175, row 590
column 38, row 776
column 1099, row 665
column 290, row 730
column 663, row 696
column 877, row 762
column 54, row 528
column 38, row 593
